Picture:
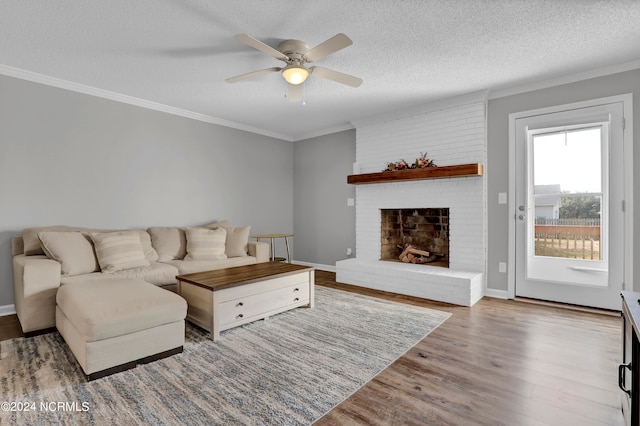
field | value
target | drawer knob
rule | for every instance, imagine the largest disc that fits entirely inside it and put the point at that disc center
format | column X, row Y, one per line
column 240, row 304
column 296, row 299
column 296, row 289
column 240, row 315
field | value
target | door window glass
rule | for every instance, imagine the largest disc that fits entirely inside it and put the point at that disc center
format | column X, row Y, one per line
column 567, row 193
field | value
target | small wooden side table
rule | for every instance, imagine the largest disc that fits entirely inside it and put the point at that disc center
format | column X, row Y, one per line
column 272, row 245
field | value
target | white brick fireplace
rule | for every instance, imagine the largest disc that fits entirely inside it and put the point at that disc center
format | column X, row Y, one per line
column 451, row 136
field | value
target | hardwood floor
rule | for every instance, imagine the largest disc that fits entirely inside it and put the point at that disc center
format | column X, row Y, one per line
column 10, row 327
column 498, row 363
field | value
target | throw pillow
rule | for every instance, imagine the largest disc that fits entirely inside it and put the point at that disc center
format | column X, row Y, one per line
column 205, row 244
column 149, row 252
column 31, row 240
column 117, row 251
column 73, row 250
column 237, row 239
column 170, row 243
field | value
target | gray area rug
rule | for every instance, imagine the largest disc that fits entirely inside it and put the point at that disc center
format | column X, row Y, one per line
column 289, row 370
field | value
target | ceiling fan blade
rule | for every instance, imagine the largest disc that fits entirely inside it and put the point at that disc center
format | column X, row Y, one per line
column 252, row 74
column 336, row 76
column 335, row 43
column 257, row 44
column 295, row 92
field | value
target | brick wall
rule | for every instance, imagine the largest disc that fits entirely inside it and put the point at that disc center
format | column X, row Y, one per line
column 450, row 136
column 424, row 229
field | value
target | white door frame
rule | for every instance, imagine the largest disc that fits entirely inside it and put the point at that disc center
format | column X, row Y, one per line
column 627, row 101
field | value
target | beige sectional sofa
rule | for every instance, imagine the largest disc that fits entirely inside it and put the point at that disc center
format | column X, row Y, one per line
column 49, row 257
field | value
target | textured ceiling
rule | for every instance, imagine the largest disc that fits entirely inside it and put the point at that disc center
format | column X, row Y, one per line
column 409, row 53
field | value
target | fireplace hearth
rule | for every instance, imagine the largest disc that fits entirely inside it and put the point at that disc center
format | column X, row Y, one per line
column 415, row 235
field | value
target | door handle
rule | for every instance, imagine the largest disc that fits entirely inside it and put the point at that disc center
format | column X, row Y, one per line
column 585, row 269
column 621, row 368
column 522, row 217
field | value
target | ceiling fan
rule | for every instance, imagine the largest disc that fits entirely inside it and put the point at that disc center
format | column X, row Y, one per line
column 295, row 54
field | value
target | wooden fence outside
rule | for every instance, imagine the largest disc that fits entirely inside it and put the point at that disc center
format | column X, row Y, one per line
column 568, row 238
column 565, row 222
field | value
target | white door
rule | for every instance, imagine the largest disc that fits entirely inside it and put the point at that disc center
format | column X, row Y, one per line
column 569, row 212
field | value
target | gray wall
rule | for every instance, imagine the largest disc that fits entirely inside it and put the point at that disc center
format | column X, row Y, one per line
column 324, row 226
column 74, row 159
column 498, row 154
column 68, row 158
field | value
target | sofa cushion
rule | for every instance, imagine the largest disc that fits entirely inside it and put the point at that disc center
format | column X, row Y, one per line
column 156, row 273
column 119, row 250
column 17, row 245
column 149, row 252
column 191, row 266
column 108, row 308
column 205, row 244
column 32, row 242
column 236, row 243
column 73, row 250
column 237, row 238
column 169, row 242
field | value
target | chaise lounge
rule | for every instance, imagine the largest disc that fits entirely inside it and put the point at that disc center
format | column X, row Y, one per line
column 114, row 325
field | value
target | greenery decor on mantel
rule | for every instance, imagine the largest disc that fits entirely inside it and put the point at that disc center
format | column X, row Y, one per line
column 421, row 162
column 439, row 172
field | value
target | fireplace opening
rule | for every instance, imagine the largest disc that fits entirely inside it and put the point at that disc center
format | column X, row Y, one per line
column 415, row 235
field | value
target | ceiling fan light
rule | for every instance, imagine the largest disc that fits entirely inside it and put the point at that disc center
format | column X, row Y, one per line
column 295, row 74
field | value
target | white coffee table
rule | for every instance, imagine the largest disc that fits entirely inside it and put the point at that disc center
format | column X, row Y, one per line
column 226, row 298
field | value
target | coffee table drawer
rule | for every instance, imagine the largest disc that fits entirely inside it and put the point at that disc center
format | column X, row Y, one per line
column 250, row 307
column 264, row 286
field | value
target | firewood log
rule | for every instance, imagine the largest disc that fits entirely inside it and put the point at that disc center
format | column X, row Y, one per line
column 405, row 252
column 419, row 252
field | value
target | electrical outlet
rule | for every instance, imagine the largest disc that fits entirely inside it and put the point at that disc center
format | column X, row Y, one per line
column 351, row 202
column 502, row 267
column 349, row 251
column 502, row 198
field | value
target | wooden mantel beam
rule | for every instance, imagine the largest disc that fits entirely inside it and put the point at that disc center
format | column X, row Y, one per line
column 460, row 170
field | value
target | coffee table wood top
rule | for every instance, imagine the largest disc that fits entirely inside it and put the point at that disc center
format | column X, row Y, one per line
column 219, row 279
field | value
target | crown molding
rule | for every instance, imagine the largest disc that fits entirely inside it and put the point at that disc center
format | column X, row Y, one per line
column 328, row 131
column 119, row 97
column 544, row 84
column 485, row 95
column 436, row 105
column 480, row 96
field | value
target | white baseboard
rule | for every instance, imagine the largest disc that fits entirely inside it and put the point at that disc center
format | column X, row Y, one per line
column 498, row 294
column 7, row 310
column 319, row 266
